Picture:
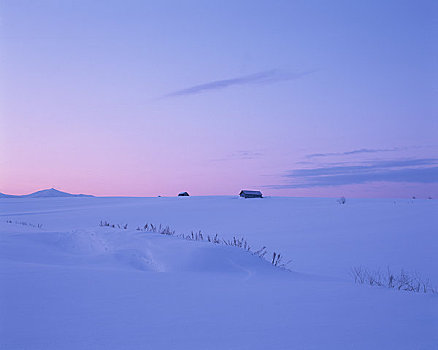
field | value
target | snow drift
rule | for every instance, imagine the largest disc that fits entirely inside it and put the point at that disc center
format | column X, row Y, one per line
column 69, row 283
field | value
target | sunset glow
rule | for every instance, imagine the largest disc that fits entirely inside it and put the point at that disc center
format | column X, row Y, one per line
column 147, row 99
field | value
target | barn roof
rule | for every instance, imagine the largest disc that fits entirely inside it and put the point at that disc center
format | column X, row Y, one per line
column 251, row 192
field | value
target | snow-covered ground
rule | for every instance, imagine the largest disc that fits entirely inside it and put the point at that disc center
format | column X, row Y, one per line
column 72, row 284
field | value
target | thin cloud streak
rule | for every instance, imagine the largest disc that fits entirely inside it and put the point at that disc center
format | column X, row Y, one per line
column 266, row 77
column 419, row 175
column 357, row 151
column 407, row 170
column 355, row 169
column 240, row 155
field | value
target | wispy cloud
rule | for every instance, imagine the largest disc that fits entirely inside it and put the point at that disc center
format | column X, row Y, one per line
column 240, row 155
column 403, row 170
column 265, row 77
column 353, row 152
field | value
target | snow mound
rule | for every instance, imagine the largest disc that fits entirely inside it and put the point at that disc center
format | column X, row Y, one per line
column 129, row 250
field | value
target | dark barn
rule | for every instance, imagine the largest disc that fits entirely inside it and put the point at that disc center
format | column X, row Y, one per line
column 250, row 194
column 183, row 194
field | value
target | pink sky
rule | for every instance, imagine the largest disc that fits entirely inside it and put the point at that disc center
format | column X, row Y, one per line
column 142, row 100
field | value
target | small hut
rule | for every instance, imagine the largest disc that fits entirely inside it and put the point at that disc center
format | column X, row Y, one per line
column 250, row 194
column 183, row 194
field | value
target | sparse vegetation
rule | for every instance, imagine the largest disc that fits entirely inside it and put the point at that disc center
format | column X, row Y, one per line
column 410, row 282
column 24, row 223
column 342, row 200
column 107, row 224
column 277, row 258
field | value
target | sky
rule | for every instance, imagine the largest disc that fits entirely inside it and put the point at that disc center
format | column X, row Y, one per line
column 147, row 98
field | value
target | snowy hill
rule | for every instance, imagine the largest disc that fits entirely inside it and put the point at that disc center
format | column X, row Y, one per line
column 72, row 281
column 53, row 193
column 45, row 193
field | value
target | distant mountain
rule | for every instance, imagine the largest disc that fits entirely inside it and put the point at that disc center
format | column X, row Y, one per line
column 49, row 193
column 53, row 193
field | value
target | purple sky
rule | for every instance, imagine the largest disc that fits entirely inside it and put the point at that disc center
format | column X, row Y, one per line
column 306, row 98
